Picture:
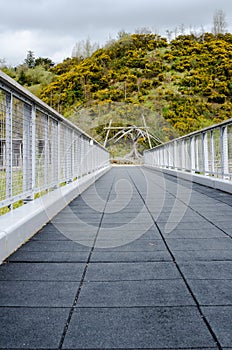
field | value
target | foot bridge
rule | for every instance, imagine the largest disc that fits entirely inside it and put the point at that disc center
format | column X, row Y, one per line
column 96, row 256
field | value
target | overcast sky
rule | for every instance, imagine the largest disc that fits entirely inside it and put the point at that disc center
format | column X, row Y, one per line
column 50, row 28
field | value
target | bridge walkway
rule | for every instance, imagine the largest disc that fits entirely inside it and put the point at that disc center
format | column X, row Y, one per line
column 140, row 260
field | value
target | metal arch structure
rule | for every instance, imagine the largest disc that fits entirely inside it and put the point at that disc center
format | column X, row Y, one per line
column 134, row 133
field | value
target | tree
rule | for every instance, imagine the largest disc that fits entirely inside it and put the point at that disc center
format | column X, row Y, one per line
column 3, row 63
column 84, row 48
column 143, row 30
column 22, row 78
column 219, row 22
column 30, row 59
column 45, row 62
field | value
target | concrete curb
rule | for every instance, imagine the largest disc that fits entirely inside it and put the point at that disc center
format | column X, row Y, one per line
column 22, row 223
column 223, row 185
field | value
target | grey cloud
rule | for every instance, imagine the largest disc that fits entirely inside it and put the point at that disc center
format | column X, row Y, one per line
column 66, row 21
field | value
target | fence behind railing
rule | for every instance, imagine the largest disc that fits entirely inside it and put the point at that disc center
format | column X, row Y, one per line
column 39, row 149
column 207, row 152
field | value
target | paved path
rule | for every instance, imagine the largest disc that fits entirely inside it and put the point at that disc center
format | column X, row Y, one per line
column 115, row 271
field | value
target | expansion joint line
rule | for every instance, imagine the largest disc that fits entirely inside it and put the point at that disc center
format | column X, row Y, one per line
column 83, row 274
column 179, row 270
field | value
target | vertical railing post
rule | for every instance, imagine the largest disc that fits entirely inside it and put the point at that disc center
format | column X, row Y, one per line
column 73, row 155
column 59, row 154
column 79, row 157
column 9, row 164
column 82, row 156
column 33, row 148
column 46, row 149
column 197, row 154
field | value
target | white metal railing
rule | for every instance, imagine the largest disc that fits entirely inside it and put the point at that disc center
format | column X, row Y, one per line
column 39, row 148
column 207, row 152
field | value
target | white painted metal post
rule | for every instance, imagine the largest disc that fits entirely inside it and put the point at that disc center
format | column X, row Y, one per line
column 197, row 167
column 73, row 155
column 33, row 147
column 46, row 149
column 59, row 153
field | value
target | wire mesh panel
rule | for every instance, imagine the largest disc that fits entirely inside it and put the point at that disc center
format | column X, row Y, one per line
column 2, row 145
column 27, row 149
column 210, row 153
column 17, row 146
column 53, row 156
column 62, row 151
column 68, row 154
column 229, row 131
column 186, row 146
column 179, row 154
column 76, row 155
column 41, row 147
column 198, row 154
column 67, row 148
column 217, row 152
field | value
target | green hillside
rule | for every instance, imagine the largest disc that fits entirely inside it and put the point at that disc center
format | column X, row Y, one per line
column 179, row 86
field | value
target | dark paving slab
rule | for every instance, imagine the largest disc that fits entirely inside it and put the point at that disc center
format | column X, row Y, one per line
column 224, row 243
column 198, row 233
column 49, row 232
column 128, row 217
column 221, row 323
column 140, row 245
column 31, row 328
column 25, row 256
column 42, row 272
column 186, row 225
column 161, row 220
column 148, row 232
column 135, row 293
column 153, row 328
column 207, row 270
column 131, row 271
column 66, row 232
column 203, row 255
column 129, row 225
column 55, row 246
column 108, row 256
column 212, row 292
column 37, row 293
